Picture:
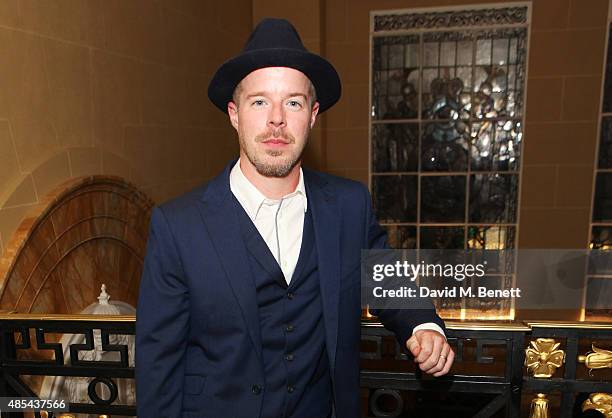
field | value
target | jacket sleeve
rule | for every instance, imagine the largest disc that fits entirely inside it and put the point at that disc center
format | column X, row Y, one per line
column 400, row 321
column 162, row 325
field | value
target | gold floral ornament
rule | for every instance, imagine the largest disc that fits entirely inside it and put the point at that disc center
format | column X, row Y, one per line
column 600, row 402
column 543, row 357
column 598, row 359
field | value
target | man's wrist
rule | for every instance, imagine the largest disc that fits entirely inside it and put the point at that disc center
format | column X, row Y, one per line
column 429, row 326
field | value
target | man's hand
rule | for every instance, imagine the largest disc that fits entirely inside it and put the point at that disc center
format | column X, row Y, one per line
column 431, row 352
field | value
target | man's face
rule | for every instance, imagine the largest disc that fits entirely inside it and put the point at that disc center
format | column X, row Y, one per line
column 273, row 117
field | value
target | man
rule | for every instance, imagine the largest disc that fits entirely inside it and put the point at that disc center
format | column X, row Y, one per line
column 249, row 303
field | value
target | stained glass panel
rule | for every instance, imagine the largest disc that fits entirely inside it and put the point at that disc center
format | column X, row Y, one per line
column 602, row 205
column 496, row 145
column 463, row 90
column 395, row 147
column 443, row 198
column 458, row 78
column 400, row 236
column 493, row 198
column 395, row 87
column 599, row 293
column 601, row 238
column 607, row 93
column 434, row 237
column 395, row 198
column 444, row 146
column 491, row 237
column 605, row 143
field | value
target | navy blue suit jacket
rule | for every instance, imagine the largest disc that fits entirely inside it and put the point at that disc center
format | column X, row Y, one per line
column 198, row 346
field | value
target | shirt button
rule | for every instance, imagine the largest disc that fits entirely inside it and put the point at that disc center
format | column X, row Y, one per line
column 256, row 389
column 289, row 328
column 290, row 388
column 290, row 295
column 289, row 357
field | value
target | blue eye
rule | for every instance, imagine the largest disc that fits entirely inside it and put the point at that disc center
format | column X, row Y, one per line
column 258, row 102
column 294, row 103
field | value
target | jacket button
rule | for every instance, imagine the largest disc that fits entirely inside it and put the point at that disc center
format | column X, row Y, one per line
column 289, row 357
column 256, row 389
column 290, row 295
column 290, row 388
column 289, row 328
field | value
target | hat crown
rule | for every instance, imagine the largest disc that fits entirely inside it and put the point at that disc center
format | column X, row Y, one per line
column 274, row 33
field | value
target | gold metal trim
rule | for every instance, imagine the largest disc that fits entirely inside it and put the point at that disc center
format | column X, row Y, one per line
column 598, row 359
column 539, row 407
column 569, row 324
column 472, row 325
column 456, row 325
column 64, row 317
column 600, row 402
column 543, row 358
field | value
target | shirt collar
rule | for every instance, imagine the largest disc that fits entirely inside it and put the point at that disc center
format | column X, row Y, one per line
column 252, row 199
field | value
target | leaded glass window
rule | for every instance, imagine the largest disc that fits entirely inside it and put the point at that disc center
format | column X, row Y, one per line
column 599, row 280
column 446, row 122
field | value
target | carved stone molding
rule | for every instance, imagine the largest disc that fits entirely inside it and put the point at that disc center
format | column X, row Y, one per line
column 89, row 231
column 452, row 19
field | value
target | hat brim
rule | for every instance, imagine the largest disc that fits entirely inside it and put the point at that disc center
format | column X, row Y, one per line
column 320, row 72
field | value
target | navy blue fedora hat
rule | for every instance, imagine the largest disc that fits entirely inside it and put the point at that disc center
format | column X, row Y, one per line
column 275, row 43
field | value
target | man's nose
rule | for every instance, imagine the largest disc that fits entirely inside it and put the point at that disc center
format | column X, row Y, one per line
column 276, row 117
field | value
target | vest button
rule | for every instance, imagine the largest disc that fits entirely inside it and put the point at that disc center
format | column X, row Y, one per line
column 289, row 328
column 256, row 389
column 290, row 388
column 290, row 295
column 289, row 357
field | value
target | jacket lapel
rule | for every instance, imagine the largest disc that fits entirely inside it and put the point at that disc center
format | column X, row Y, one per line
column 326, row 221
column 219, row 214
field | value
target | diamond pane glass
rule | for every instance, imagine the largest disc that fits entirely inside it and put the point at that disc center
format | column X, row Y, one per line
column 444, row 146
column 493, row 198
column 443, row 198
column 395, row 198
column 602, row 205
column 395, row 147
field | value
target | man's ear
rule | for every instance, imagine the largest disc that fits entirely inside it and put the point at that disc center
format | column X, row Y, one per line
column 313, row 114
column 232, row 111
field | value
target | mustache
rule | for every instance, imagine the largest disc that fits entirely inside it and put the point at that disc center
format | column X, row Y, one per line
column 276, row 134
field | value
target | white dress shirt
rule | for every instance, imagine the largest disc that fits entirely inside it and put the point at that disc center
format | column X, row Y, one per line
column 281, row 223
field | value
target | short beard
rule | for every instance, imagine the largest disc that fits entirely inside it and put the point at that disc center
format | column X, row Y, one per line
column 272, row 170
column 269, row 170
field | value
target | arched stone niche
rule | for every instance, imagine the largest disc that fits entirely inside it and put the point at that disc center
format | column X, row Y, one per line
column 89, row 231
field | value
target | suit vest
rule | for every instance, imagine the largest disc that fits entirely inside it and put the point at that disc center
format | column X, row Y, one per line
column 296, row 368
